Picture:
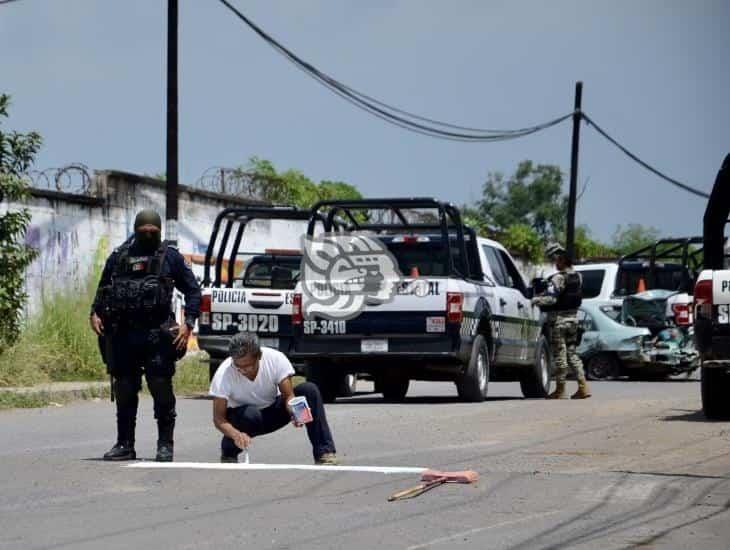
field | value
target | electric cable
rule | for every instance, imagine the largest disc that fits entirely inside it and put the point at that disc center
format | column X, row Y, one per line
column 385, row 111
column 646, row 165
column 433, row 128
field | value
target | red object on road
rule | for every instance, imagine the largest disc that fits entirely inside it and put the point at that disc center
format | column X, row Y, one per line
column 434, row 478
column 465, row 476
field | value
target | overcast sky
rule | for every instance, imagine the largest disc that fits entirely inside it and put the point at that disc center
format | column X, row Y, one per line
column 89, row 75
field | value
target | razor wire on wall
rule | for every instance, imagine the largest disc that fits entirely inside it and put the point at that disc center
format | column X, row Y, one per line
column 76, row 179
column 240, row 183
column 73, row 178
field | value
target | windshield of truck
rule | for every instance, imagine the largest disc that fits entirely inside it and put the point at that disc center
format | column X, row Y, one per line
column 424, row 259
column 631, row 279
column 277, row 274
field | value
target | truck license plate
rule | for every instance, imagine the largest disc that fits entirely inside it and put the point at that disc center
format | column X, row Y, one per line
column 374, row 346
column 435, row 324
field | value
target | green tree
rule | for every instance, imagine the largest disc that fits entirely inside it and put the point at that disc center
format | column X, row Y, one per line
column 588, row 247
column 293, row 187
column 633, row 237
column 16, row 155
column 531, row 196
column 337, row 190
column 473, row 218
column 523, row 240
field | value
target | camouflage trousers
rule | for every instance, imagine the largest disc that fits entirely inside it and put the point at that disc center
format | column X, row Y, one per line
column 563, row 336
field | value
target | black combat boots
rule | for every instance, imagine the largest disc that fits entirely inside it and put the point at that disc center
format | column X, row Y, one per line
column 164, row 451
column 123, row 450
column 165, row 429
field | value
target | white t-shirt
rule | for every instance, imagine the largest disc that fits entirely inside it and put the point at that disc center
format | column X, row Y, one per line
column 262, row 391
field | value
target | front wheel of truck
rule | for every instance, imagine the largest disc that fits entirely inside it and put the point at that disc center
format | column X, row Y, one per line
column 715, row 387
column 473, row 383
column 535, row 382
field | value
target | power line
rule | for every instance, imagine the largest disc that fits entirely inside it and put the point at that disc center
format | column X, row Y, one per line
column 387, row 112
column 643, row 163
column 429, row 126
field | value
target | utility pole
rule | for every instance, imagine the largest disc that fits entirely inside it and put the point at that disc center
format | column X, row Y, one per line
column 577, row 116
column 172, row 157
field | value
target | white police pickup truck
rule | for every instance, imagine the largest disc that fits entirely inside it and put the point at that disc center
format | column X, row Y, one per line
column 712, row 302
column 248, row 286
column 407, row 292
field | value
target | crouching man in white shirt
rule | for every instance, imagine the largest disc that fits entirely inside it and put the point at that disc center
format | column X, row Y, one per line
column 250, row 392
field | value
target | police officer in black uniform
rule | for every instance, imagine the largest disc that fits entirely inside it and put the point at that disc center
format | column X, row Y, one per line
column 132, row 315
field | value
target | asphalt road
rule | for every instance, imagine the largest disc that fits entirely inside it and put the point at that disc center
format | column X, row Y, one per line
column 636, row 466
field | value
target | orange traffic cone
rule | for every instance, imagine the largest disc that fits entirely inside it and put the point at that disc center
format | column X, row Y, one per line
column 641, row 287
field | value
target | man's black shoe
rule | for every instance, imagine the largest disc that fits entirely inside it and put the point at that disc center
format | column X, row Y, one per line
column 164, row 452
column 123, row 450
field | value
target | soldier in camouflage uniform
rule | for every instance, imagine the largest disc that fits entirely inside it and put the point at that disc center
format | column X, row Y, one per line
column 561, row 300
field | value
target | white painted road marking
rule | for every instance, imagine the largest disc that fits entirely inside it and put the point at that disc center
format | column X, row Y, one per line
column 309, row 467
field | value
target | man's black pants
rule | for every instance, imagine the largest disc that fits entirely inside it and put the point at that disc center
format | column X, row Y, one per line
column 254, row 421
column 139, row 351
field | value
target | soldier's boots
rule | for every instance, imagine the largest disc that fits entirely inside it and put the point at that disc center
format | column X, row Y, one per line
column 123, row 450
column 165, row 429
column 124, row 447
column 559, row 392
column 164, row 451
column 583, row 391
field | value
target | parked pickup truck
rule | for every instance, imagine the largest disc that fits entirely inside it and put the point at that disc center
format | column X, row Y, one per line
column 668, row 264
column 247, row 285
column 712, row 302
column 459, row 309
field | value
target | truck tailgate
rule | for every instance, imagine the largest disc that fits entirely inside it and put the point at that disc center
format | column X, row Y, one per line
column 414, row 321
column 265, row 312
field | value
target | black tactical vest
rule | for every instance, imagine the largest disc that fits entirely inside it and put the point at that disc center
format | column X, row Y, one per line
column 572, row 295
column 139, row 295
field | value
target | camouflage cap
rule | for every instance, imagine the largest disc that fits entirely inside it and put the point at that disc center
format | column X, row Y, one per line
column 554, row 249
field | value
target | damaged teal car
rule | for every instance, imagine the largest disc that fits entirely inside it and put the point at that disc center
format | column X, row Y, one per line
column 608, row 348
column 639, row 339
column 671, row 350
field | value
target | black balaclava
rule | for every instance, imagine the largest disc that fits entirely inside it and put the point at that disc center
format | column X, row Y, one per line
column 147, row 241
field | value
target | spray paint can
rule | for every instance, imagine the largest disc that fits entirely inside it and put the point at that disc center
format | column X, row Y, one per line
column 300, row 409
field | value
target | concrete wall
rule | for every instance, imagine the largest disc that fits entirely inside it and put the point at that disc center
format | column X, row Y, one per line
column 69, row 230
